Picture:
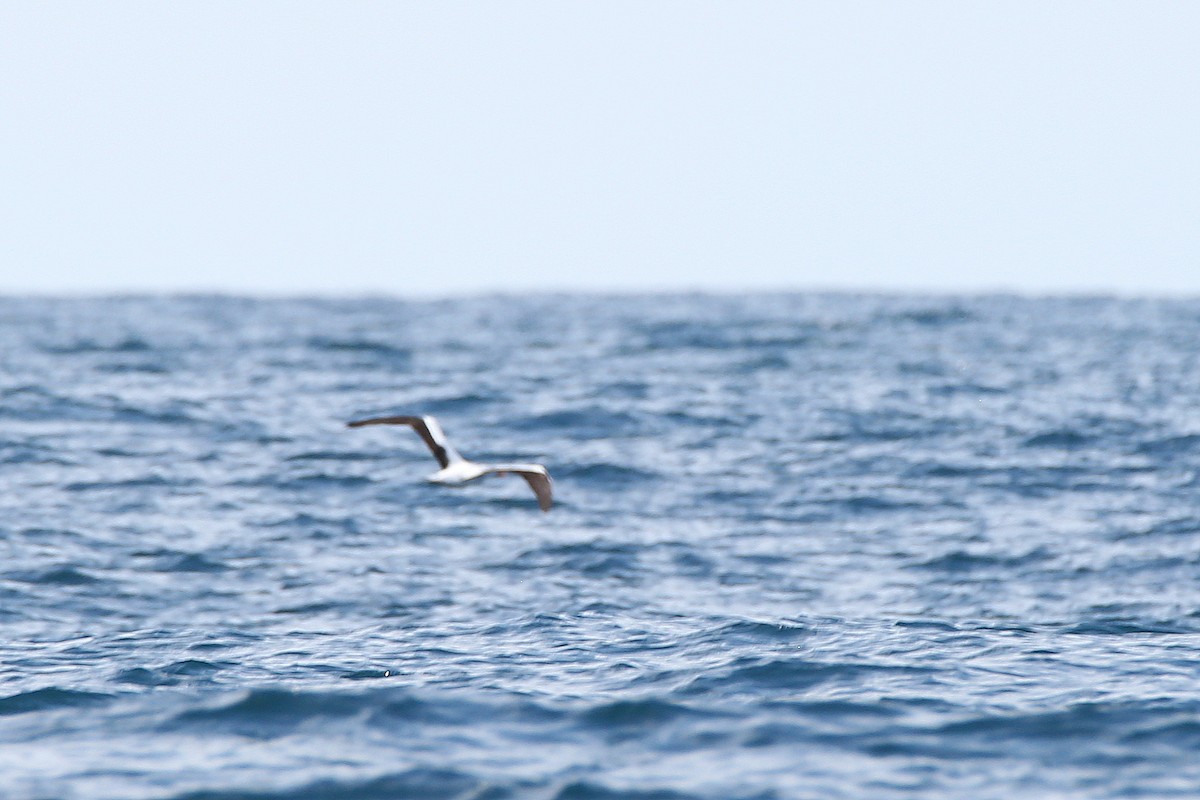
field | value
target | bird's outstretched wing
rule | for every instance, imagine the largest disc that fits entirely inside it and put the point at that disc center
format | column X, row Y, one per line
column 426, row 427
column 535, row 475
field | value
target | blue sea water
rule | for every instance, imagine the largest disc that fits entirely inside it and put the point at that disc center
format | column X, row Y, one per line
column 804, row 546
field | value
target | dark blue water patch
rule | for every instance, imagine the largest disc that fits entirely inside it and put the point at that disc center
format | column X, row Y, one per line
column 676, row 419
column 139, row 367
column 1087, row 724
column 1047, row 481
column 186, row 671
column 311, row 481
column 129, row 452
column 64, row 575
column 1170, row 728
column 1106, row 625
column 1176, row 526
column 692, row 334
column 126, row 344
column 414, row 784
column 140, row 676
column 940, row 470
column 732, row 498
column 955, row 388
column 861, row 427
column 50, row 699
column 31, row 403
column 691, row 562
column 879, row 504
column 932, row 317
column 171, row 413
column 684, row 334
column 310, row 524
column 591, row 559
column 925, row 367
column 36, row 404
column 267, row 713
column 590, row 790
column 179, row 413
column 756, row 675
column 231, row 642
column 1167, row 446
column 624, row 390
column 195, row 668
column 361, row 346
column 338, row 455
column 824, row 724
column 827, row 712
column 601, row 475
column 177, row 561
column 926, row 624
column 390, row 707
column 311, row 609
column 621, row 715
column 246, row 431
column 960, row 562
column 55, row 535
column 764, row 362
column 29, row 452
column 457, row 404
column 1059, row 440
column 584, row 423
column 365, row 674
column 752, row 633
column 154, row 481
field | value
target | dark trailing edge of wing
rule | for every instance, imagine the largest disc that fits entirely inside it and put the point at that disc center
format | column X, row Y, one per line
column 417, row 424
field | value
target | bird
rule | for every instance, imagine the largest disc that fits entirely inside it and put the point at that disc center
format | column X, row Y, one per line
column 456, row 470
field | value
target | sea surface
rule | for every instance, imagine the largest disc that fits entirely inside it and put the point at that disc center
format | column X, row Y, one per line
column 804, row 546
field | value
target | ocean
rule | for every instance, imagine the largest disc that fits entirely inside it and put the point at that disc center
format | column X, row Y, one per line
column 803, row 546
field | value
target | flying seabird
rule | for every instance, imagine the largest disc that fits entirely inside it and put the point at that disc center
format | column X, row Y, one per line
column 455, row 469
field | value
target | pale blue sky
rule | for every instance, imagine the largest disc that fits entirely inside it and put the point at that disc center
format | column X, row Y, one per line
column 299, row 147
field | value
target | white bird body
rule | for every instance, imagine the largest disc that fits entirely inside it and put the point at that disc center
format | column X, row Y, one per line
column 456, row 470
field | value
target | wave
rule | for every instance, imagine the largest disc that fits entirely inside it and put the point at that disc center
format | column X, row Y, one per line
column 593, row 559
column 85, row 346
column 361, row 346
column 842, row 545
column 1065, row 439
column 1171, row 445
column 50, row 699
column 1089, row 722
column 582, row 423
column 635, row 714
column 37, row 404
column 64, row 575
column 177, row 561
column 961, row 561
column 141, row 482
column 337, row 455
column 605, row 475
column 417, row 783
column 596, row 790
column 460, row 404
column 188, row 670
column 787, row 674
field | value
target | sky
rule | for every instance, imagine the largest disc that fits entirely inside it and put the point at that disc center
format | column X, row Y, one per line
column 444, row 148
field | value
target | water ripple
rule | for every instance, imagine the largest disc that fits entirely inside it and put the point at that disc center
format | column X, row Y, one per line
column 803, row 546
